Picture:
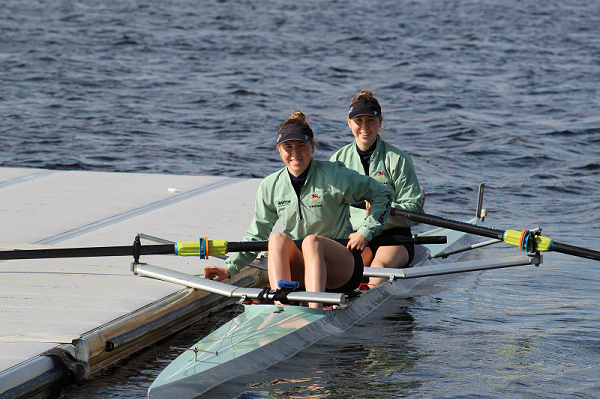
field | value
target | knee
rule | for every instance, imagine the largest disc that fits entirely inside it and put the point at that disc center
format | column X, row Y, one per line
column 278, row 241
column 311, row 242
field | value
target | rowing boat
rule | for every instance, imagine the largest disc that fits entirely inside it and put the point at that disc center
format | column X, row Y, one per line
column 265, row 334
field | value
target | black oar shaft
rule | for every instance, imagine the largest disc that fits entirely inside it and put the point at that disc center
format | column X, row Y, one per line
column 243, row 246
column 90, row 252
column 448, row 223
column 488, row 232
column 128, row 250
column 575, row 251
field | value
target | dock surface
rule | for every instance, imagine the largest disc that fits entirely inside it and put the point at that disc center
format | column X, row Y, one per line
column 73, row 302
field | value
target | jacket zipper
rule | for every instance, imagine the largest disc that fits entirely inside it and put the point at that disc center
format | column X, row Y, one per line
column 299, row 205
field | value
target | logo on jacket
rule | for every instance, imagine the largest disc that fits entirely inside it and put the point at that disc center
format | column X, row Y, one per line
column 315, row 201
column 380, row 177
column 282, row 203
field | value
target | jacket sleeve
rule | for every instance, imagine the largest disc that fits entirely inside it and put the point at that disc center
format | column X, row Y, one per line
column 360, row 188
column 343, row 155
column 335, row 157
column 407, row 191
column 265, row 217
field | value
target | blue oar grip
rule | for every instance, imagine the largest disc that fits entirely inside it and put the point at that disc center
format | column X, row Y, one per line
column 290, row 285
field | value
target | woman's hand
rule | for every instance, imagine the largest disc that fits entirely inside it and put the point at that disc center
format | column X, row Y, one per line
column 357, row 242
column 216, row 273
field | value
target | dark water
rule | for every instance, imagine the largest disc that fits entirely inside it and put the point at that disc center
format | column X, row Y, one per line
column 501, row 92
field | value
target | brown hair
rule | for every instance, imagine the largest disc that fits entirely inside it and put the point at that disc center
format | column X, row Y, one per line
column 364, row 95
column 368, row 96
column 297, row 118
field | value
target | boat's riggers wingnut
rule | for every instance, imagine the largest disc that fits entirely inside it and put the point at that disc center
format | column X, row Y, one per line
column 527, row 240
column 265, row 291
column 285, row 288
column 281, row 295
column 137, row 249
column 202, row 248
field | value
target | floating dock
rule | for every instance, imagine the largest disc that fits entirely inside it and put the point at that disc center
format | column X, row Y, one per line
column 63, row 319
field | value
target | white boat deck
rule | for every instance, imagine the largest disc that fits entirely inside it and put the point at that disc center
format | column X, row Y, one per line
column 48, row 302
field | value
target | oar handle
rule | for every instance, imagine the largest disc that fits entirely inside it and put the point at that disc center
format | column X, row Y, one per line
column 398, row 240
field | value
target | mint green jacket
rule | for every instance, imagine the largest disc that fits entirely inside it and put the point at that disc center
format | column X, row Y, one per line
column 394, row 169
column 322, row 209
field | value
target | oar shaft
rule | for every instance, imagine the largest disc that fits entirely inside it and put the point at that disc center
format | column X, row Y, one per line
column 575, row 251
column 90, row 252
column 444, row 222
column 221, row 247
column 241, row 246
column 161, row 249
column 448, row 223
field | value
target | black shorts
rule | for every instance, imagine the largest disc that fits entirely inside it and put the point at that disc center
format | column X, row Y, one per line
column 356, row 276
column 397, row 231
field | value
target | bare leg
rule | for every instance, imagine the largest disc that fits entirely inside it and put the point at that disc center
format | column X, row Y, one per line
column 285, row 260
column 328, row 264
column 389, row 256
column 367, row 256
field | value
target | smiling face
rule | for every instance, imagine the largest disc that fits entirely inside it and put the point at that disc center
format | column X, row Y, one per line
column 296, row 155
column 365, row 128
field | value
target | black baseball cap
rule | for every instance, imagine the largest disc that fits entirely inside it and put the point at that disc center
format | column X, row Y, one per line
column 364, row 107
column 295, row 132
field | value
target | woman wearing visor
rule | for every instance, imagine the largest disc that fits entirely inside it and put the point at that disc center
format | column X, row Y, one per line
column 312, row 199
column 393, row 168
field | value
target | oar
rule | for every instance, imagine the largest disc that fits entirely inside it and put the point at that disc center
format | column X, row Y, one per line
column 201, row 247
column 219, row 247
column 526, row 240
column 88, row 252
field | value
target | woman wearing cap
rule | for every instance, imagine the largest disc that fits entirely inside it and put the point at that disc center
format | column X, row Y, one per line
column 312, row 199
column 371, row 156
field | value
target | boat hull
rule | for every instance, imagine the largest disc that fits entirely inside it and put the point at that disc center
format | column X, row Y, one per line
column 264, row 335
column 261, row 336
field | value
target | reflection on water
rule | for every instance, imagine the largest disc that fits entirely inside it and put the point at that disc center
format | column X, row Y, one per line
column 519, row 356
